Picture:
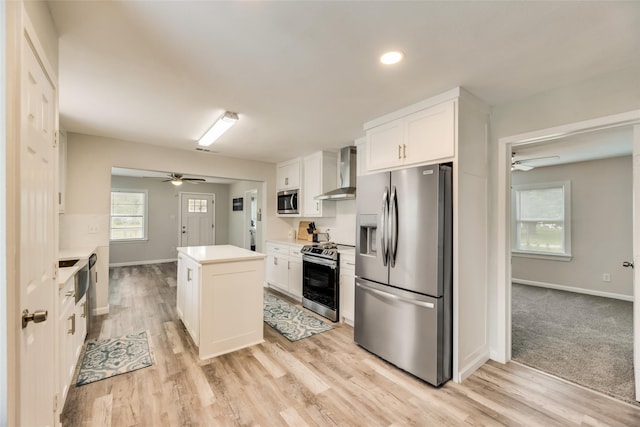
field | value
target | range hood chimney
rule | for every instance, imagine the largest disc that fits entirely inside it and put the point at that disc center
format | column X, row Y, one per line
column 347, row 190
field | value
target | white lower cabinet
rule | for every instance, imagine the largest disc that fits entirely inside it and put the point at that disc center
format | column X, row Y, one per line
column 347, row 288
column 187, row 298
column 221, row 302
column 67, row 323
column 284, row 268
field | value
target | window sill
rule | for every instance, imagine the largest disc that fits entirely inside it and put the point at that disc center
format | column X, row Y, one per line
column 546, row 256
column 129, row 241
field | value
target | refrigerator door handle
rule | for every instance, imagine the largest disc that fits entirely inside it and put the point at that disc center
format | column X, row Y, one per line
column 383, row 226
column 395, row 297
column 393, row 232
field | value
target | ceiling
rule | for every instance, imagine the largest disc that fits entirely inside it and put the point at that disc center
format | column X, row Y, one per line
column 304, row 75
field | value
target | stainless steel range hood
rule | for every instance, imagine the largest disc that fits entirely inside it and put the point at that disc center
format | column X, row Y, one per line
column 347, row 190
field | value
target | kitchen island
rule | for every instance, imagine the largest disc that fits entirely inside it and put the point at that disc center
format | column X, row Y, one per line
column 219, row 298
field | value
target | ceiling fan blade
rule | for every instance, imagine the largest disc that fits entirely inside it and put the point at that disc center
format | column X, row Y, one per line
column 194, row 179
column 521, row 167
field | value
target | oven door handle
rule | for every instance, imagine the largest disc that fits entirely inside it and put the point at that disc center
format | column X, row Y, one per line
column 314, row 260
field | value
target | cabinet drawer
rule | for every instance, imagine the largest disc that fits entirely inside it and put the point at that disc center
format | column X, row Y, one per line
column 294, row 252
column 347, row 262
column 278, row 249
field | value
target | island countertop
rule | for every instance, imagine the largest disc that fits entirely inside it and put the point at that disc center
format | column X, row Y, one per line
column 219, row 254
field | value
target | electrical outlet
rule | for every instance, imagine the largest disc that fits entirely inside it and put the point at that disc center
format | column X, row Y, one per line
column 606, row 277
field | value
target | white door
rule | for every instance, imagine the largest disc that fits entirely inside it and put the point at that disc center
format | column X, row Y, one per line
column 197, row 219
column 250, row 219
column 38, row 210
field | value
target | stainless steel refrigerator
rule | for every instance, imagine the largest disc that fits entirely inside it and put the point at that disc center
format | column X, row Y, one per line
column 403, row 301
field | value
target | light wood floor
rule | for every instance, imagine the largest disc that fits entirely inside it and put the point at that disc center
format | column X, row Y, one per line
column 324, row 380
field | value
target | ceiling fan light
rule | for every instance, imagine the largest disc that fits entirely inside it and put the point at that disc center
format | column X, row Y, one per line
column 222, row 125
column 176, row 182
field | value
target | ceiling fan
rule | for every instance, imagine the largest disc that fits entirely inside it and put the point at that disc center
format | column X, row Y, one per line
column 178, row 179
column 520, row 164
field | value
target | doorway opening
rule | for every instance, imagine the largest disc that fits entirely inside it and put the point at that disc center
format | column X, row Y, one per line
column 251, row 219
column 551, row 136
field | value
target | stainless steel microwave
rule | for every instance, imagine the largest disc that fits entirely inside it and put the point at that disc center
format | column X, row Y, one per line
column 288, row 202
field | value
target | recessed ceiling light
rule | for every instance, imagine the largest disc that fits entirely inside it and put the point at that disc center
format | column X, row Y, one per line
column 390, row 58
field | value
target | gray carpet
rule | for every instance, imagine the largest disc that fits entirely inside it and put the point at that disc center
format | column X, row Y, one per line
column 585, row 339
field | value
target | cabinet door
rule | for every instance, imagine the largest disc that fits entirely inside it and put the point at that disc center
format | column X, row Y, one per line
column 181, row 285
column 347, row 288
column 81, row 326
column 192, row 303
column 384, row 146
column 312, row 185
column 288, row 175
column 430, row 134
column 66, row 352
column 295, row 277
column 278, row 271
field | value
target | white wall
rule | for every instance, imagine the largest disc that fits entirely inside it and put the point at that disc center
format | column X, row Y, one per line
column 598, row 97
column 342, row 227
column 164, row 219
column 601, row 224
column 89, row 163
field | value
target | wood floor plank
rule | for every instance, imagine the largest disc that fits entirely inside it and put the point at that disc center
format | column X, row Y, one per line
column 323, row 380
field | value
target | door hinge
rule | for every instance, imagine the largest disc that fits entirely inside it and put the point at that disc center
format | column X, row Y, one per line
column 55, row 403
column 55, row 271
column 55, row 138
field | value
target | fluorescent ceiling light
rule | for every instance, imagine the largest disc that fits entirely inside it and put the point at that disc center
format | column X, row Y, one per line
column 225, row 121
column 391, row 58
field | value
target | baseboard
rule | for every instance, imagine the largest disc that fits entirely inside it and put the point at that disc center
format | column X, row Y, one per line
column 153, row 261
column 473, row 366
column 572, row 289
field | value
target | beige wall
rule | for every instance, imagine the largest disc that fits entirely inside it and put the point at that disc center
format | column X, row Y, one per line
column 164, row 219
column 598, row 97
column 89, row 163
column 601, row 221
column 42, row 22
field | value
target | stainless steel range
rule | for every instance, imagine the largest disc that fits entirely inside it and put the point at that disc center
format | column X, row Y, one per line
column 320, row 279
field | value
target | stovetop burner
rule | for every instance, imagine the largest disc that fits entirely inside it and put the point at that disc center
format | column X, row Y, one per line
column 327, row 250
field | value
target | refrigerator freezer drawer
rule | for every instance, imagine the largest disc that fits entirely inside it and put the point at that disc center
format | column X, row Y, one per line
column 405, row 329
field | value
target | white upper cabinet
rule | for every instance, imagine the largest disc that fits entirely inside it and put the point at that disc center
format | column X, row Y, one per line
column 288, row 175
column 422, row 136
column 320, row 175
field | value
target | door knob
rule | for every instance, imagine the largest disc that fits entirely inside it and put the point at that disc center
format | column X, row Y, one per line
column 37, row 317
column 627, row 264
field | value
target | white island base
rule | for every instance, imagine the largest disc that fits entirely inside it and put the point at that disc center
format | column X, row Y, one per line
column 220, row 297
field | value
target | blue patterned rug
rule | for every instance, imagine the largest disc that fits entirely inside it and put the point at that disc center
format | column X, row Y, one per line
column 114, row 356
column 290, row 321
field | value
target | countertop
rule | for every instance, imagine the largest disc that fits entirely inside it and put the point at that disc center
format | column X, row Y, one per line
column 219, row 254
column 342, row 249
column 76, row 253
column 66, row 273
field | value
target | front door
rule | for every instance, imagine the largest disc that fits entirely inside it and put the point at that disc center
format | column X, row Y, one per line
column 37, row 268
column 197, row 219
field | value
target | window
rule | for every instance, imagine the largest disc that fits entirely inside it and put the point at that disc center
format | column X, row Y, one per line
column 128, row 215
column 197, row 206
column 541, row 225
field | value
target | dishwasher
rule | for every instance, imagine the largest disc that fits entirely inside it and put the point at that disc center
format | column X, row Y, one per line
column 91, row 298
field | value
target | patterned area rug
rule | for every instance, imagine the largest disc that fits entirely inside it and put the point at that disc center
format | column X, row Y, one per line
column 290, row 321
column 114, row 356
